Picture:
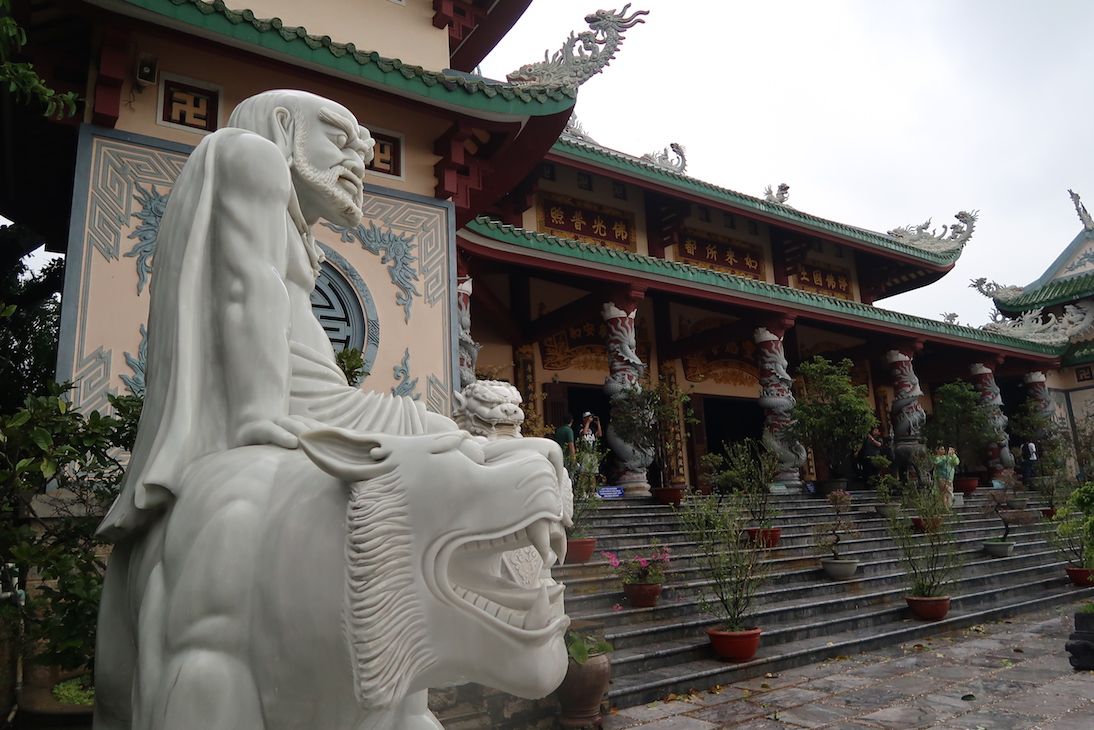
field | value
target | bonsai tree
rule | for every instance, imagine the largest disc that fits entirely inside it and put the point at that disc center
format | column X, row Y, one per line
column 997, row 507
column 1075, row 527
column 931, row 559
column 734, row 566
column 885, row 484
column 748, row 468
column 958, row 420
column 646, row 418
column 831, row 413
column 829, row 535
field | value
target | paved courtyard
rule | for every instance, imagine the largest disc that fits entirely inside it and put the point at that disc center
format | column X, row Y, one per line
column 1007, row 675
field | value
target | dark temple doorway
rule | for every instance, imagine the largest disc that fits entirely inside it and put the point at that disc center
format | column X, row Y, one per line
column 730, row 419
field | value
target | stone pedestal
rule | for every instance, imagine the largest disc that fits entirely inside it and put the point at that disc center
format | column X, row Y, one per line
column 777, row 401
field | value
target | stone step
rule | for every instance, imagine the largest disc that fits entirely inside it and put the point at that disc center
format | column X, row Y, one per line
column 704, row 673
column 785, row 619
column 602, row 606
column 584, row 578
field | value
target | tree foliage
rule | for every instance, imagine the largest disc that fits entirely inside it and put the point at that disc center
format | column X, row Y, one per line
column 931, row 559
column 59, row 471
column 832, row 414
column 20, row 77
column 960, row 421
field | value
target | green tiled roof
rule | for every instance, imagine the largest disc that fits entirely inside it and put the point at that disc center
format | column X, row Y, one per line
column 602, row 156
column 1080, row 353
column 750, row 288
column 1056, row 291
column 295, row 41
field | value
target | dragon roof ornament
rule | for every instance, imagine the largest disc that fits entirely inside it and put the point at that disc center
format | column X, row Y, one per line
column 923, row 237
column 663, row 158
column 1084, row 216
column 584, row 54
column 574, row 128
column 779, row 195
column 994, row 290
column 1076, row 322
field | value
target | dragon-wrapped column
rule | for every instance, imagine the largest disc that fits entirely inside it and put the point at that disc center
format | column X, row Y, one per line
column 1037, row 392
column 777, row 401
column 625, row 370
column 906, row 414
column 999, row 456
column 468, row 349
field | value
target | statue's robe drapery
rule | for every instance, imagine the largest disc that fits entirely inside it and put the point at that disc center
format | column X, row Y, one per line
column 185, row 413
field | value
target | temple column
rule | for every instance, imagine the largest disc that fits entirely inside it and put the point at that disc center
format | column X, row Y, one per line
column 999, row 456
column 625, row 373
column 468, row 349
column 777, row 400
column 906, row 416
column 1037, row 391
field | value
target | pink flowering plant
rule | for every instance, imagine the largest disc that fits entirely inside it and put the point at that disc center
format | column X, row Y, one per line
column 642, row 568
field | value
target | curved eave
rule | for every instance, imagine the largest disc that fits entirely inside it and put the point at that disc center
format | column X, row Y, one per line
column 486, row 35
column 1050, row 295
column 593, row 158
column 527, row 247
column 271, row 38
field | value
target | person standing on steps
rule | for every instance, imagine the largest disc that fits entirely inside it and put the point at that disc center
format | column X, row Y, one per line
column 1029, row 463
column 590, row 432
column 564, row 435
column 945, row 464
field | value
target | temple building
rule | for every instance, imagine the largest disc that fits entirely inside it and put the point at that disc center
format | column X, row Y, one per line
column 726, row 293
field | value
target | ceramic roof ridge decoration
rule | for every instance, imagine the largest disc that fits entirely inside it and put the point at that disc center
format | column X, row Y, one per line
column 779, row 195
column 1080, row 209
column 664, row 157
column 596, row 153
column 583, row 55
column 465, row 90
column 950, row 239
column 574, row 128
column 1075, row 322
column 995, row 290
column 571, row 248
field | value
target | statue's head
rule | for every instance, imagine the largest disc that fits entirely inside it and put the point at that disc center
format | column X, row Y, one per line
column 429, row 517
column 326, row 149
column 484, row 405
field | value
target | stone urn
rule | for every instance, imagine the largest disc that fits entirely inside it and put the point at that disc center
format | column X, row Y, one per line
column 582, row 690
column 1080, row 644
column 839, row 568
column 999, row 548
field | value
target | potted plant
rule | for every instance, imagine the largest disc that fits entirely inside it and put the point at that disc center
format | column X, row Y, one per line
column 735, row 567
column 588, row 674
column 999, row 502
column 958, row 420
column 1080, row 644
column 930, row 559
column 829, row 535
column 885, row 485
column 584, row 467
column 748, row 468
column 641, row 575
column 645, row 419
column 1074, row 535
column 832, row 415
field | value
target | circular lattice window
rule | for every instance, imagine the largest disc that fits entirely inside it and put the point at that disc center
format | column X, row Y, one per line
column 344, row 307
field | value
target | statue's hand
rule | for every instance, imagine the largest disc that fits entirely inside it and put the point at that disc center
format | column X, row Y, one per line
column 281, row 431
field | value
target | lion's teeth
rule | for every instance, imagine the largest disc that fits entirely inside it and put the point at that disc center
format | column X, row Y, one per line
column 539, row 532
column 540, row 613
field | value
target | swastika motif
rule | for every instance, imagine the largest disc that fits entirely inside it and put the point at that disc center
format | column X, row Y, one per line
column 437, row 398
column 91, row 377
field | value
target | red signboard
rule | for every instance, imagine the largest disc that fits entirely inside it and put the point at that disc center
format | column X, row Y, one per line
column 723, row 254
column 585, row 221
column 825, row 279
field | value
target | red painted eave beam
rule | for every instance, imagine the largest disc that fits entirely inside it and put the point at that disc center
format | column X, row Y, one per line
column 768, row 309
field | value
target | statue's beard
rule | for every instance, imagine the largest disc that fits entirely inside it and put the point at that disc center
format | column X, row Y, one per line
column 326, row 184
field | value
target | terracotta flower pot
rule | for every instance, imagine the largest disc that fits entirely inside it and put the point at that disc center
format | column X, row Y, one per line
column 582, row 690
column 966, row 485
column 929, row 609
column 767, row 537
column 1048, row 512
column 1083, row 577
column 579, row 549
column 921, row 525
column 737, row 646
column 669, row 495
column 642, row 595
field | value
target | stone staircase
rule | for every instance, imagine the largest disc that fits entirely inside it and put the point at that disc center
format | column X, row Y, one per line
column 805, row 616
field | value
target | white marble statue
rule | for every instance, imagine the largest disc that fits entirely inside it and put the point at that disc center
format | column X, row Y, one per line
column 292, row 552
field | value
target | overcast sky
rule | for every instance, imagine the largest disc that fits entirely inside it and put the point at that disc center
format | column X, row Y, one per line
column 876, row 114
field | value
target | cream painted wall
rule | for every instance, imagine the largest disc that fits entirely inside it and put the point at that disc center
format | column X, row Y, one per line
column 565, row 183
column 402, row 30
column 239, row 79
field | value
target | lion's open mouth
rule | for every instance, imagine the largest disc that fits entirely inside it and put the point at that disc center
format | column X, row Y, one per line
column 474, row 577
